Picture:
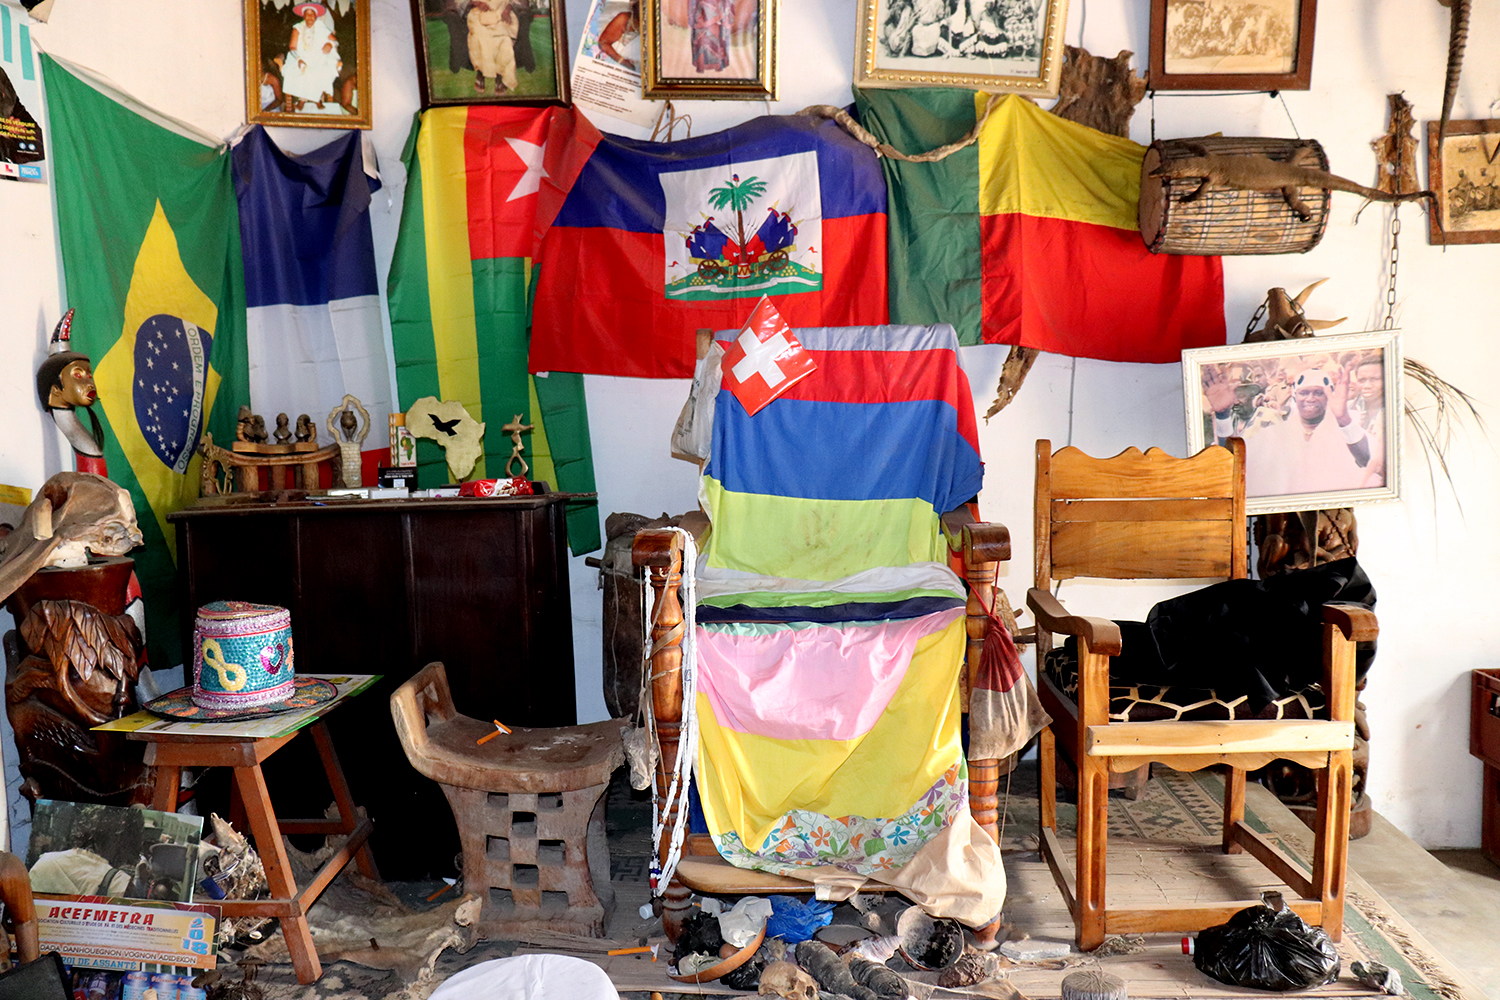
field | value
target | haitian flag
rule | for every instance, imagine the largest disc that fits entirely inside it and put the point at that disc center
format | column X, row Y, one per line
column 313, row 318
column 150, row 244
column 658, row 240
column 1029, row 236
column 483, row 184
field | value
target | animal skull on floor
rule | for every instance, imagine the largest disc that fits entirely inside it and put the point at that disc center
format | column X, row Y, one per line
column 783, row 979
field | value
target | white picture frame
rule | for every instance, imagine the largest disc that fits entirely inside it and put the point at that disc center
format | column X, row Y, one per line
column 1293, row 460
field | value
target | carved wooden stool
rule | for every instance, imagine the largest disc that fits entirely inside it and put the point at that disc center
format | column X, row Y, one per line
column 529, row 806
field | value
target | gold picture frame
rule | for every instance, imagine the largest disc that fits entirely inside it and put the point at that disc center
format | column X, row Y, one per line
column 708, row 49
column 297, row 63
column 1465, row 175
column 984, row 44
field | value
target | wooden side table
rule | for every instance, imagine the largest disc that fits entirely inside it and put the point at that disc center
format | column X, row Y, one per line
column 171, row 752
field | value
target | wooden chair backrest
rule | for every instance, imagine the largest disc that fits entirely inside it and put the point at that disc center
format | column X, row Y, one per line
column 1140, row 516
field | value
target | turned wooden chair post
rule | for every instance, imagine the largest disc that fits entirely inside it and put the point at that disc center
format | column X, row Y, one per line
column 661, row 552
column 20, row 909
column 984, row 547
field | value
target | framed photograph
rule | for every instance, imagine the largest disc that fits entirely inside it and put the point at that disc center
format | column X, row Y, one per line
column 707, row 49
column 1003, row 46
column 96, row 850
column 1320, row 417
column 1231, row 44
column 1464, row 175
column 308, row 64
column 491, row 51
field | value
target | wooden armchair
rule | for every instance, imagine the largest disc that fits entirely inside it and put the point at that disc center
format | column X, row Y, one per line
column 1153, row 516
column 20, row 910
column 982, row 547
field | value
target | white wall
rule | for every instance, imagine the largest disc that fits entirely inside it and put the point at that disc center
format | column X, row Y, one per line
column 1431, row 562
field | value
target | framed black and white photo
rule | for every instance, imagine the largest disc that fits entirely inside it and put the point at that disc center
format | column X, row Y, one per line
column 1002, row 46
column 1320, row 417
column 1463, row 170
column 1231, row 44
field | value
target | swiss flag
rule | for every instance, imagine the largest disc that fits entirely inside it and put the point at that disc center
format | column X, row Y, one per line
column 765, row 360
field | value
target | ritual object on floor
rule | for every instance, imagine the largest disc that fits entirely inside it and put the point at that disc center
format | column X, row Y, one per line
column 1228, row 195
column 1266, row 947
column 350, row 436
column 448, row 423
column 65, row 385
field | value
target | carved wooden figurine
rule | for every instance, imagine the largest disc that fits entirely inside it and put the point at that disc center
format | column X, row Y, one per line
column 350, row 436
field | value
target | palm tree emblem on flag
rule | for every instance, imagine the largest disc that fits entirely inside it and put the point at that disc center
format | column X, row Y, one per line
column 749, row 246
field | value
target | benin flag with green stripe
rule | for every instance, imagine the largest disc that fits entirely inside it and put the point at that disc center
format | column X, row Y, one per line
column 483, row 184
column 1029, row 235
column 150, row 240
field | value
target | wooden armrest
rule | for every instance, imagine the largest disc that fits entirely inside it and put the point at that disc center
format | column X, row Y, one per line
column 656, row 548
column 1357, row 622
column 15, row 892
column 983, row 540
column 1101, row 634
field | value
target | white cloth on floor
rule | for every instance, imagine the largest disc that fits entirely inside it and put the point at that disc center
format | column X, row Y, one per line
column 529, row 977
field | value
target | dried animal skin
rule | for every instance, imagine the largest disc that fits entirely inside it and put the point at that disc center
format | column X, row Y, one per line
column 832, row 975
column 881, row 981
column 783, row 979
column 1396, row 151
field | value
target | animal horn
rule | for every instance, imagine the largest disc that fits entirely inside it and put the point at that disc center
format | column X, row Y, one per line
column 1301, row 298
column 1323, row 324
column 1458, row 37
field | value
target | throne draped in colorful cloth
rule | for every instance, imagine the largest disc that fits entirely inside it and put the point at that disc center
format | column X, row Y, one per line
column 831, row 633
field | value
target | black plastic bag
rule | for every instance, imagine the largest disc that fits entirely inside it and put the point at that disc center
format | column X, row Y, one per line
column 1267, row 947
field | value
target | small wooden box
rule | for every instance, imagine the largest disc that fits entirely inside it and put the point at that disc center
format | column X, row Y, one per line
column 1484, row 743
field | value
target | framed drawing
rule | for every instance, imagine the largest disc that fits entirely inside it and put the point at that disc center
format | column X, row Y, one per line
column 1320, row 417
column 1004, row 46
column 1463, row 174
column 308, row 63
column 708, row 49
column 1231, row 44
column 491, row 51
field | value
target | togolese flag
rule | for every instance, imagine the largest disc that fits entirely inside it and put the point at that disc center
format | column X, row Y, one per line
column 660, row 239
column 1029, row 236
column 150, row 245
column 483, row 184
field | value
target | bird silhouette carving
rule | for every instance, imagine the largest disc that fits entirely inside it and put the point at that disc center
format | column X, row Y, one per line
column 446, row 426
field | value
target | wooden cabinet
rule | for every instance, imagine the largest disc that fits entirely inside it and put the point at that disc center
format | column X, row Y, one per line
column 1484, row 743
column 385, row 587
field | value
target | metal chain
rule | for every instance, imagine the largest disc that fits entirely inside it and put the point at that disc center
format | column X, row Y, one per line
column 1259, row 312
column 1390, row 286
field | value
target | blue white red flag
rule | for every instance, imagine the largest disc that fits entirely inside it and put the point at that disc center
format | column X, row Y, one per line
column 313, row 316
column 658, row 240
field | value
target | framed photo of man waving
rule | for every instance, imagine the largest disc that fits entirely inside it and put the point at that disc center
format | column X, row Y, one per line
column 1320, row 417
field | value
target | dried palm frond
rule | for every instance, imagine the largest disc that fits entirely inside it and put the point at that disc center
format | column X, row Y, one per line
column 1433, row 423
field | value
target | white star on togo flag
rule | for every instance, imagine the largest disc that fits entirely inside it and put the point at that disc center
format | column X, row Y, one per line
column 531, row 156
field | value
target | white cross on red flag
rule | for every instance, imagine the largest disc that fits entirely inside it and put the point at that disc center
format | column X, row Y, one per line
column 765, row 360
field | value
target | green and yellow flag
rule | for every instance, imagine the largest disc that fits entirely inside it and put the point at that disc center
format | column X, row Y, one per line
column 150, row 243
column 482, row 184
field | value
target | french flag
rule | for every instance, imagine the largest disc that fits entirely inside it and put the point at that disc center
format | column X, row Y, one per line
column 313, row 304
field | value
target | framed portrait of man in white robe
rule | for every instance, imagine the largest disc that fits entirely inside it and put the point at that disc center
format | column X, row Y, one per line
column 1320, row 417
column 308, row 63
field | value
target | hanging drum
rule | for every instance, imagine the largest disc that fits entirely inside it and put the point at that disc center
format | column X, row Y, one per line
column 1228, row 220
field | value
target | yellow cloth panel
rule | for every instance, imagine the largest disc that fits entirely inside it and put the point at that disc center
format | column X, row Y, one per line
column 791, row 536
column 1037, row 164
column 747, row 783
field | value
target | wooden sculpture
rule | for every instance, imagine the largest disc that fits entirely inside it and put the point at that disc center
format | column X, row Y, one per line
column 73, row 665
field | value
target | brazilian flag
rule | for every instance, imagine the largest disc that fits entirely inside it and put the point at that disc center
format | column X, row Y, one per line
column 150, row 240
